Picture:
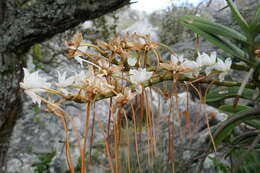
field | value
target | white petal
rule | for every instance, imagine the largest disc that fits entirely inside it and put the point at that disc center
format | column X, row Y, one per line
column 131, row 61
column 69, row 81
column 180, row 58
column 80, row 60
column 220, row 66
column 203, row 59
column 213, row 57
column 208, row 70
column 80, row 78
column 139, row 76
column 191, row 65
column 83, row 48
column 33, row 80
column 63, row 82
column 174, row 59
column 64, row 91
column 228, row 63
column 35, row 98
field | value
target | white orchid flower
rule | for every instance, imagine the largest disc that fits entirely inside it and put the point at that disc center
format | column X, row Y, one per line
column 180, row 65
column 208, row 61
column 80, row 78
column 191, row 65
column 33, row 81
column 62, row 81
column 205, row 59
column 224, row 67
column 131, row 61
column 177, row 59
column 33, row 84
column 139, row 76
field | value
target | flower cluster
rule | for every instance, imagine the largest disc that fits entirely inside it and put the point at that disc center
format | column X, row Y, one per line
column 120, row 69
column 204, row 63
column 114, row 71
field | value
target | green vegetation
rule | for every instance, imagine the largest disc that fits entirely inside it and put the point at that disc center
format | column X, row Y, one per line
column 241, row 45
column 45, row 160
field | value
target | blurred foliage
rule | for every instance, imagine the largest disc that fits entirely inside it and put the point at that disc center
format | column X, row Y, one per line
column 45, row 160
column 38, row 56
column 222, row 93
column 104, row 27
column 170, row 28
column 220, row 167
column 251, row 162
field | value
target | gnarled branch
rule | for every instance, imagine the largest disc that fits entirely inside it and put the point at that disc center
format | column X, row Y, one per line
column 45, row 18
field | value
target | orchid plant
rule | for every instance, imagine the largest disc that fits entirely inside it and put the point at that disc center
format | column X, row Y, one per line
column 122, row 70
column 243, row 48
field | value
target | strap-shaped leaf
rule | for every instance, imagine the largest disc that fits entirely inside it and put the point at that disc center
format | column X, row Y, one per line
column 230, row 109
column 214, row 28
column 226, row 127
column 236, row 49
column 240, row 19
column 254, row 123
column 229, row 92
column 255, row 29
column 256, row 18
column 245, row 136
column 226, row 46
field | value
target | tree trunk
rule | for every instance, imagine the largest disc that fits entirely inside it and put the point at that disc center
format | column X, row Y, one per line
column 11, row 105
column 22, row 24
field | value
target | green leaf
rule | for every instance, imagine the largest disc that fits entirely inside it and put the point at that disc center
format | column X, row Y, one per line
column 38, row 51
column 255, row 29
column 254, row 123
column 214, row 28
column 226, row 127
column 221, row 93
column 219, row 166
column 256, row 18
column 236, row 49
column 245, row 138
column 230, row 109
column 226, row 46
column 240, row 19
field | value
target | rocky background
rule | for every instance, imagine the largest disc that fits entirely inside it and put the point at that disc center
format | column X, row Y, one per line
column 38, row 139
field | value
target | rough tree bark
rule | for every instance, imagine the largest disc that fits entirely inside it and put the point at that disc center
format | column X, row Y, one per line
column 23, row 25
